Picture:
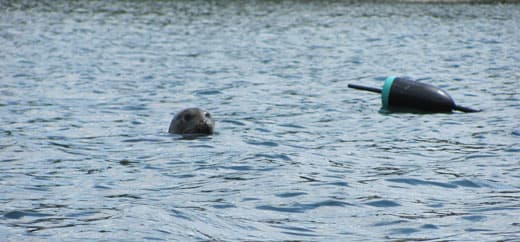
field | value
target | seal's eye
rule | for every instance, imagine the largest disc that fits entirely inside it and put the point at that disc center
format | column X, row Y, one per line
column 207, row 115
column 188, row 117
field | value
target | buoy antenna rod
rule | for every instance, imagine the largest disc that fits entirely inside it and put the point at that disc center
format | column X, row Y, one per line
column 465, row 109
column 370, row 89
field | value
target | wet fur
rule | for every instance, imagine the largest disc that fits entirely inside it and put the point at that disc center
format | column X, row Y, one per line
column 192, row 121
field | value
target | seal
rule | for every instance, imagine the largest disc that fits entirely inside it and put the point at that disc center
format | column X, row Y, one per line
column 192, row 121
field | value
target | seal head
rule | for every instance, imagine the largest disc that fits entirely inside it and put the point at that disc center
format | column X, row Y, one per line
column 192, row 121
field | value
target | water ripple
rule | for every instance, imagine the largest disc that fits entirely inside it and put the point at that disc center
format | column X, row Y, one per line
column 303, row 207
column 383, row 203
column 417, row 182
column 88, row 89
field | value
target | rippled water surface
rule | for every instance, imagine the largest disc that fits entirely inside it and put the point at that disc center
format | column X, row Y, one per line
column 88, row 88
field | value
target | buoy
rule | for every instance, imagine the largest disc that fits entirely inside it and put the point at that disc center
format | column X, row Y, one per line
column 400, row 94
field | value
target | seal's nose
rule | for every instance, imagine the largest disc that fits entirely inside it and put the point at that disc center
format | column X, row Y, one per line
column 205, row 122
column 205, row 126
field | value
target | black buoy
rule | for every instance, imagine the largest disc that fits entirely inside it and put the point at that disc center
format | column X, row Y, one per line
column 402, row 94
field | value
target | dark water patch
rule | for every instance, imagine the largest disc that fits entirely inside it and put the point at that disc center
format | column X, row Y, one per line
column 273, row 157
column 238, row 168
column 234, row 178
column 180, row 214
column 208, row 92
column 140, row 107
column 281, row 209
column 383, row 204
column 292, row 126
column 429, row 226
column 104, row 187
column 435, row 205
column 477, row 230
column 8, row 160
column 405, row 231
column 231, row 121
column 149, row 238
column 309, row 179
column 248, row 199
column 432, row 214
column 25, row 213
column 389, row 170
column 328, row 203
column 474, row 218
column 516, row 132
column 419, row 182
column 299, row 234
column 57, row 137
column 494, row 207
column 262, row 143
column 39, row 187
column 35, row 228
column 303, row 207
column 202, row 146
column 6, row 133
column 126, row 162
column 67, row 146
column 296, row 231
column 466, row 183
column 124, row 196
column 82, row 214
column 89, row 216
column 513, row 150
column 480, row 156
column 138, row 140
column 291, row 194
column 182, row 176
column 263, row 130
column 338, row 183
column 342, row 164
column 224, row 206
column 14, row 215
column 389, row 223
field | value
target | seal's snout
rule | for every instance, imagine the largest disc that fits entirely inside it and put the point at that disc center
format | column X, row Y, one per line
column 206, row 129
column 205, row 126
column 210, row 124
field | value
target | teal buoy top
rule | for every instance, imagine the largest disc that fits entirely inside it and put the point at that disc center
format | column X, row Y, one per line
column 385, row 94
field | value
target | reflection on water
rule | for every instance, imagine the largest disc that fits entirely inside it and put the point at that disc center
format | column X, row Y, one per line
column 88, row 90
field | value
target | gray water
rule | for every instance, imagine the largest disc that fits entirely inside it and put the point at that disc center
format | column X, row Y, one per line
column 88, row 88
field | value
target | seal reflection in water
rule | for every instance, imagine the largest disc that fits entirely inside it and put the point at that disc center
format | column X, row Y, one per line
column 192, row 121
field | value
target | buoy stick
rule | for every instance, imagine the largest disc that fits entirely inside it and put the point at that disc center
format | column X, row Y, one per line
column 370, row 89
column 465, row 109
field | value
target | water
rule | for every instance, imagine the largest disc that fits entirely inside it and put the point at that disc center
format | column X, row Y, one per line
column 88, row 89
